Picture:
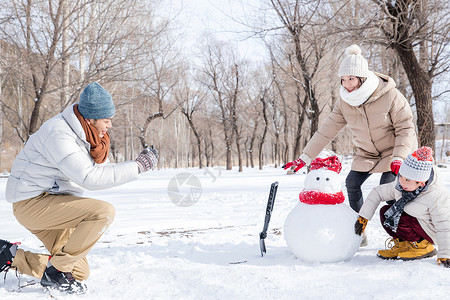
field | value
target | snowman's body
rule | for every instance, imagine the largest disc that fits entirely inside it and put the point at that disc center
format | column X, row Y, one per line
column 321, row 228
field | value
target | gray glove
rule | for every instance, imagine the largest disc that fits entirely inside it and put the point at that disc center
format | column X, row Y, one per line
column 148, row 159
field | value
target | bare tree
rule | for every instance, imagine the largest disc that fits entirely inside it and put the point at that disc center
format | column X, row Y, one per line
column 309, row 46
column 221, row 77
column 253, row 119
column 209, row 147
column 157, row 86
column 282, row 94
column 234, row 113
column 192, row 101
column 263, row 98
column 49, row 37
column 277, row 126
column 418, row 31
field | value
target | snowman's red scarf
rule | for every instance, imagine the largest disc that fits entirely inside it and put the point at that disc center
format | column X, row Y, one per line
column 317, row 197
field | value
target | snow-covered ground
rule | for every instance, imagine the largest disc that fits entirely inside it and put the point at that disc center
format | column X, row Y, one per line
column 210, row 250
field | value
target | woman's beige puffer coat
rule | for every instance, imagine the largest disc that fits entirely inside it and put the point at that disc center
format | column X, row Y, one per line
column 382, row 128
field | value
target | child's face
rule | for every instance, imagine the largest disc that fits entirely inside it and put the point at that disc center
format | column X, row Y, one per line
column 410, row 185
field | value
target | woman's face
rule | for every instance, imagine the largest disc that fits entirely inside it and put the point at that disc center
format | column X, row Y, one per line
column 350, row 83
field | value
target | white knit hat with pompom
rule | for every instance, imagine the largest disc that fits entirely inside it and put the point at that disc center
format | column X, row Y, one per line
column 354, row 64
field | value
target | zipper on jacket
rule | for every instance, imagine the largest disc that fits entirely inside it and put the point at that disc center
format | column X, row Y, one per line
column 368, row 128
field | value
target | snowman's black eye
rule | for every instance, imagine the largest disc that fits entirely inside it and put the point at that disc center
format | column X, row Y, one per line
column 328, row 179
column 317, row 178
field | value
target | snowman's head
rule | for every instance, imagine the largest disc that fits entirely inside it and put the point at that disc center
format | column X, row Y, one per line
column 323, row 180
column 324, row 175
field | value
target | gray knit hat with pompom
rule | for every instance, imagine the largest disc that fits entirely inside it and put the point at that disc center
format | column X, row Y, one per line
column 418, row 165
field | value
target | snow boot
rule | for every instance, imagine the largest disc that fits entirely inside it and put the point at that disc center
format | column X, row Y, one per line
column 418, row 250
column 393, row 248
column 62, row 281
column 7, row 252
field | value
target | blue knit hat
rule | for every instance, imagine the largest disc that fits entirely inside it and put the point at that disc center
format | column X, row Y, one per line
column 96, row 103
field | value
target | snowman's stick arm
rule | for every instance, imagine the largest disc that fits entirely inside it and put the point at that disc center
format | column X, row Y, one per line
column 269, row 209
column 270, row 203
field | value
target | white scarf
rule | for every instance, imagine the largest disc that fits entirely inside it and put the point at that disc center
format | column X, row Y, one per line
column 359, row 96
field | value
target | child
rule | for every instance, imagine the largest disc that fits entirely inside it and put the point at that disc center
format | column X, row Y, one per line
column 420, row 216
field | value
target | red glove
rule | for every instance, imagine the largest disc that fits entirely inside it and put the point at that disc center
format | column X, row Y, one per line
column 298, row 163
column 395, row 166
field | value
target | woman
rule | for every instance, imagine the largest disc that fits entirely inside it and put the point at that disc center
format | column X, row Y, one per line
column 381, row 122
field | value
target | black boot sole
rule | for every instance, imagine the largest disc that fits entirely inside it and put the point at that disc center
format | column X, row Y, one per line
column 429, row 254
column 387, row 258
column 76, row 288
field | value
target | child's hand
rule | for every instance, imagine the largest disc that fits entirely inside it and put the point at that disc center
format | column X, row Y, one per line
column 444, row 261
column 360, row 225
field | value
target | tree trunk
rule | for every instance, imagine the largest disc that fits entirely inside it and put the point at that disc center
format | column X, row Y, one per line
column 238, row 149
column 286, row 135
column 421, row 84
column 212, row 148
column 143, row 131
column 298, row 134
column 252, row 142
column 197, row 137
column 207, row 155
column 35, row 115
column 65, row 57
column 246, row 149
column 40, row 88
column 276, row 146
column 263, row 137
column 234, row 121
column 229, row 164
column 334, row 98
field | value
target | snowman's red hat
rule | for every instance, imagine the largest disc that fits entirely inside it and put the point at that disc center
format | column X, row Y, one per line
column 330, row 163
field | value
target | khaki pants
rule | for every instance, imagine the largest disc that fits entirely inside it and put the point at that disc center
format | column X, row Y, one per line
column 68, row 226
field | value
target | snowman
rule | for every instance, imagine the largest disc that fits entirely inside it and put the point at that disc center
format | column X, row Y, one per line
column 320, row 227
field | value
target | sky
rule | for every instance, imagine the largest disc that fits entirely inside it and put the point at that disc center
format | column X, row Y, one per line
column 224, row 20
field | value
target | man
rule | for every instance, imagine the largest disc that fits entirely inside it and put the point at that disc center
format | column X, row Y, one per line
column 65, row 156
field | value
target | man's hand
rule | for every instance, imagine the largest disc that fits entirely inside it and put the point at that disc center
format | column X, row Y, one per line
column 444, row 261
column 395, row 165
column 298, row 163
column 147, row 160
column 360, row 225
